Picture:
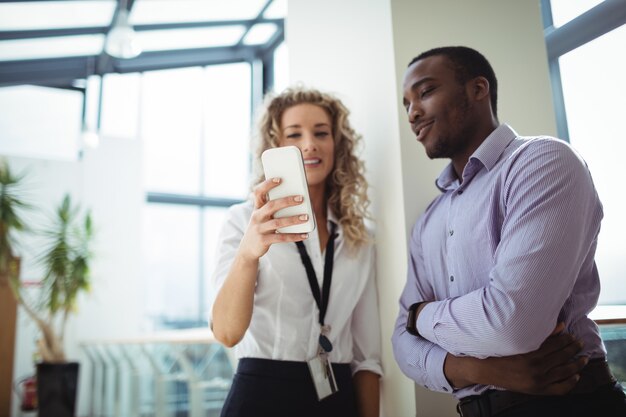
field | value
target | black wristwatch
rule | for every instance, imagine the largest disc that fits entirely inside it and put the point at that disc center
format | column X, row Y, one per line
column 411, row 320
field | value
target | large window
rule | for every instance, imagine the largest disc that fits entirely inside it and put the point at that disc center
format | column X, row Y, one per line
column 194, row 126
column 195, row 131
column 590, row 107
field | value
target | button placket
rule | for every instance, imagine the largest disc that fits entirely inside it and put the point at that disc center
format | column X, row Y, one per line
column 313, row 246
column 451, row 244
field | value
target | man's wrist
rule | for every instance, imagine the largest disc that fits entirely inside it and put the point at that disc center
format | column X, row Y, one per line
column 419, row 309
column 413, row 312
column 459, row 370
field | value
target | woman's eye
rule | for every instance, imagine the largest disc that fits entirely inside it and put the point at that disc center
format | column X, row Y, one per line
column 293, row 136
column 321, row 134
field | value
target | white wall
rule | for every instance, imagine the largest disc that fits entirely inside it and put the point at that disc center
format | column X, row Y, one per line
column 359, row 50
column 108, row 181
column 345, row 47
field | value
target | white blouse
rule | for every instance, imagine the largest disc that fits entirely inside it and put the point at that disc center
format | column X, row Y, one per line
column 284, row 322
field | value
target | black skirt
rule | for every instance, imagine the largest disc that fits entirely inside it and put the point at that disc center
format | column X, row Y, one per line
column 264, row 387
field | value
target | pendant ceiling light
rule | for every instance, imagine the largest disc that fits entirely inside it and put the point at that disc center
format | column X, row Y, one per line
column 121, row 41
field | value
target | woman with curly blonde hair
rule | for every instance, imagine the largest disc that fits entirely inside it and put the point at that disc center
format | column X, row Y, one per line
column 301, row 309
column 346, row 188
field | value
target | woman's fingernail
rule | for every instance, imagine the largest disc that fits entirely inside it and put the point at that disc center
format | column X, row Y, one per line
column 297, row 198
column 303, row 217
column 276, row 180
column 304, row 235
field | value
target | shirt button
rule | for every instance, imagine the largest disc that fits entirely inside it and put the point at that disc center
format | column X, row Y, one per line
column 460, row 192
column 451, row 232
column 445, row 389
column 451, row 278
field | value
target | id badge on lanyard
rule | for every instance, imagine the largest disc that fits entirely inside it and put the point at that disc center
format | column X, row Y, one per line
column 320, row 367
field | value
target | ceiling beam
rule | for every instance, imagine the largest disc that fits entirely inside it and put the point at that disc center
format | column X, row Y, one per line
column 101, row 30
column 257, row 19
column 63, row 71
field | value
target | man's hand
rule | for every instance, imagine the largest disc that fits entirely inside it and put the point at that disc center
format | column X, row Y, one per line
column 549, row 370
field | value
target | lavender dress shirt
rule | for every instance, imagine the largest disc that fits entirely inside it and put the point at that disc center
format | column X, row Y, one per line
column 506, row 254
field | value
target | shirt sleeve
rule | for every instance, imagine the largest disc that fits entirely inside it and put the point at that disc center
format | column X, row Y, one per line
column 365, row 326
column 230, row 236
column 551, row 221
column 418, row 358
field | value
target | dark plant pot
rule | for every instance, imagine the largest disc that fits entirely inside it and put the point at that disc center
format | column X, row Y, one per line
column 56, row 389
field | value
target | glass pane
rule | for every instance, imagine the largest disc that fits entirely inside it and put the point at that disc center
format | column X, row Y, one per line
column 213, row 221
column 565, row 10
column 161, row 40
column 281, row 67
column 120, row 105
column 171, row 130
column 595, row 107
column 614, row 338
column 164, row 11
column 50, row 128
column 227, row 97
column 170, row 247
column 259, row 34
column 93, row 102
column 56, row 14
column 277, row 10
column 82, row 45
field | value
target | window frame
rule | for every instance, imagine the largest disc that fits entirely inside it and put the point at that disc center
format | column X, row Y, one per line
column 595, row 22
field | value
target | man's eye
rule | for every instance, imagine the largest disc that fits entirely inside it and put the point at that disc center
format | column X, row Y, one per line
column 426, row 91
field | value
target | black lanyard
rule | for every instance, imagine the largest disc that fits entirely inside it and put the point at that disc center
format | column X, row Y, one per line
column 320, row 300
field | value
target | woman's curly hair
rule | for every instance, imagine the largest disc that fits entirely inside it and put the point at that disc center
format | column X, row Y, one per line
column 346, row 188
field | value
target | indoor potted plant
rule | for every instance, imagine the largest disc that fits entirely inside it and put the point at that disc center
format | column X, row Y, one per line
column 64, row 260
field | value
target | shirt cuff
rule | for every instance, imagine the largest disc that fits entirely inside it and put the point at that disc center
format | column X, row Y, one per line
column 425, row 320
column 434, row 368
column 370, row 365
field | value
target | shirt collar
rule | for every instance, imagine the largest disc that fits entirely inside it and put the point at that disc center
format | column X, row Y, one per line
column 492, row 148
column 447, row 179
column 331, row 218
column 488, row 154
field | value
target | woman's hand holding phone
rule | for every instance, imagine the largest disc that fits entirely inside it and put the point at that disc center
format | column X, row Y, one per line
column 232, row 310
column 261, row 232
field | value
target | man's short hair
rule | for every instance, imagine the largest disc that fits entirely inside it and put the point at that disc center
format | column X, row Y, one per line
column 468, row 63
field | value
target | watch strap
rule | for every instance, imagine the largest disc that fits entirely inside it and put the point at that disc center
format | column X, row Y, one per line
column 411, row 320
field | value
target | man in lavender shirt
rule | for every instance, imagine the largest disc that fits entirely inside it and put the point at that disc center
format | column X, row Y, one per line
column 501, row 272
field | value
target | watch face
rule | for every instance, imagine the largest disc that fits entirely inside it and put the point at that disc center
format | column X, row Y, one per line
column 410, row 320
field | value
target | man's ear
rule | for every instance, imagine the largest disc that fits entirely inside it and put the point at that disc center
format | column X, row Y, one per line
column 479, row 88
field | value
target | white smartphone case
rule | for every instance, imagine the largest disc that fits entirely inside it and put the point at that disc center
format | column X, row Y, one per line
column 286, row 163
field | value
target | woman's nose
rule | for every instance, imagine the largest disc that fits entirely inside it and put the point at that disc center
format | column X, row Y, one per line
column 309, row 143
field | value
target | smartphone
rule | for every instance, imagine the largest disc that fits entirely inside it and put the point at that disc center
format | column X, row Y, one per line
column 286, row 163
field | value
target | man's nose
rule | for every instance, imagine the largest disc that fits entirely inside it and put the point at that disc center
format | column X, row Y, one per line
column 414, row 112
